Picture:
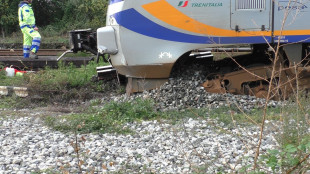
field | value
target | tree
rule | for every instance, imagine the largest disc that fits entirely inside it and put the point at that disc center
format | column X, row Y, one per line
column 8, row 19
column 55, row 15
column 48, row 12
column 87, row 13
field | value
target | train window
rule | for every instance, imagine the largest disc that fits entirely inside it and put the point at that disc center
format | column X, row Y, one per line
column 250, row 4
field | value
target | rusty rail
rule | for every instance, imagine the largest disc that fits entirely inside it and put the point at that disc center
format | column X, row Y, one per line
column 47, row 57
column 42, row 52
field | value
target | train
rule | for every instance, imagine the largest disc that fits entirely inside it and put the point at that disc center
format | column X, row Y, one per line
column 145, row 39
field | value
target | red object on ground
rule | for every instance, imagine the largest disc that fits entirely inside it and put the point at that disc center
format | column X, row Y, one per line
column 16, row 70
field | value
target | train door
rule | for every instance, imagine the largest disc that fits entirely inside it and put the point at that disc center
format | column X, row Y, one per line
column 250, row 15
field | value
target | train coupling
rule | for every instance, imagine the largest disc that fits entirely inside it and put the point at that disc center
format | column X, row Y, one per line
column 82, row 40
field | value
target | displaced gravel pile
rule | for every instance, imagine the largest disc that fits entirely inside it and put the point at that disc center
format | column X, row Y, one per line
column 27, row 146
column 184, row 90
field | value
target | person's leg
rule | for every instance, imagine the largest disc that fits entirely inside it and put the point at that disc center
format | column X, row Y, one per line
column 32, row 41
column 26, row 44
column 36, row 41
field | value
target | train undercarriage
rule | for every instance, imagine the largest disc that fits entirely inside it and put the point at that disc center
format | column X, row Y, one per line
column 266, row 71
column 274, row 81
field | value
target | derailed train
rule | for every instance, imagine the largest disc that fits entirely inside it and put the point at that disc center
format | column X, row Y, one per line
column 145, row 38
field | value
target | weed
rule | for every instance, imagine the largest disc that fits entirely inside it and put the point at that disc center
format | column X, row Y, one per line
column 287, row 157
column 231, row 115
column 294, row 138
column 110, row 118
column 13, row 102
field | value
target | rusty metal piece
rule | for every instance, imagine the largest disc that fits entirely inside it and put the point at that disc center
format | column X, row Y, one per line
column 261, row 94
column 255, row 81
column 260, row 91
column 252, row 81
column 214, row 86
column 233, row 82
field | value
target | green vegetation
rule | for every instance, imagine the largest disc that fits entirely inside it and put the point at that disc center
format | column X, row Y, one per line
column 109, row 118
column 229, row 115
column 12, row 102
column 287, row 156
column 54, row 18
column 65, row 77
column 63, row 84
column 8, row 81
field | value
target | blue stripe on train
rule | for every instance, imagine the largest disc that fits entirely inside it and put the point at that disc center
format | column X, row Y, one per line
column 115, row 1
column 133, row 20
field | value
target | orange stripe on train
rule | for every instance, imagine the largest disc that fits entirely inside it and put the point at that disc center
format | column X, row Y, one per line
column 165, row 12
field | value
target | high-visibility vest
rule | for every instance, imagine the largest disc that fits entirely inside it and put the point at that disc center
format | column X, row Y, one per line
column 26, row 15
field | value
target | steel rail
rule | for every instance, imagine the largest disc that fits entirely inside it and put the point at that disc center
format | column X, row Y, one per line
column 42, row 52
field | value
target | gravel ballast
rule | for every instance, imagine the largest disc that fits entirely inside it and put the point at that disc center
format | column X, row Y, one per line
column 28, row 146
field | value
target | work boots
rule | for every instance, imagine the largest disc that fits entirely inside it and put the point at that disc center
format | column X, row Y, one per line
column 33, row 55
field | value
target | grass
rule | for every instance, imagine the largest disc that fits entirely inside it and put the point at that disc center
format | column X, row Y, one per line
column 11, row 81
column 12, row 102
column 67, row 82
column 295, row 118
column 110, row 118
column 47, row 38
column 229, row 115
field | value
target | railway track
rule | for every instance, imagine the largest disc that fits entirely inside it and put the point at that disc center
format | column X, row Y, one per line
column 42, row 52
column 47, row 57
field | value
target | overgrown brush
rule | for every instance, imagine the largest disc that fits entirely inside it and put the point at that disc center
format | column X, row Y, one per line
column 65, row 77
column 294, row 139
column 65, row 83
